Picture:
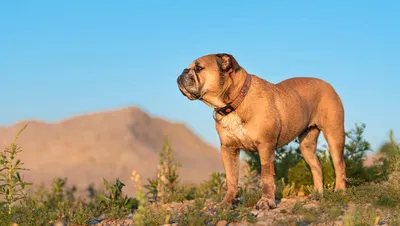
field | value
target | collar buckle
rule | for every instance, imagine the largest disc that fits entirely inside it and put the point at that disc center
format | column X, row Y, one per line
column 225, row 110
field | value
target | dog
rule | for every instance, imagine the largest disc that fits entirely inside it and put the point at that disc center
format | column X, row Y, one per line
column 254, row 115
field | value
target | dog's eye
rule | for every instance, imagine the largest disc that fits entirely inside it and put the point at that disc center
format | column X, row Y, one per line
column 198, row 69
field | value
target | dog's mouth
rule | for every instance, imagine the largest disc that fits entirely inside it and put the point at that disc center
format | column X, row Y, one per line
column 186, row 93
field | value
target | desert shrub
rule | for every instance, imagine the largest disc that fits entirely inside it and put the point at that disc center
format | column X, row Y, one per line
column 165, row 187
column 250, row 180
column 390, row 162
column 193, row 216
column 213, row 188
column 250, row 198
column 300, row 174
column 395, row 217
column 184, row 192
column 285, row 158
column 328, row 170
column 114, row 203
column 11, row 183
column 362, row 216
column 152, row 191
column 139, row 217
column 355, row 152
column 44, row 207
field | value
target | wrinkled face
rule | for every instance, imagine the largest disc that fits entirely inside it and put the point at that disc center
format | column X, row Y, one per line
column 206, row 77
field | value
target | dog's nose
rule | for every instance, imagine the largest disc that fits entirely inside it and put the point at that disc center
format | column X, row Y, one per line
column 179, row 78
column 185, row 74
column 182, row 76
column 186, row 78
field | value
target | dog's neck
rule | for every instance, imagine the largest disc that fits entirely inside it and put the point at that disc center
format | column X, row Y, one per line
column 235, row 92
column 237, row 80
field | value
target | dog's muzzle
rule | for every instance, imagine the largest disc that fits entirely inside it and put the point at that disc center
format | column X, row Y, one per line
column 187, row 84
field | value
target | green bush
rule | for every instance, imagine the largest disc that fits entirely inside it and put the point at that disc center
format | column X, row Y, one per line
column 11, row 184
column 114, row 202
column 166, row 185
column 213, row 188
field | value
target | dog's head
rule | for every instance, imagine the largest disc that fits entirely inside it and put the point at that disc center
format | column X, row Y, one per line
column 208, row 78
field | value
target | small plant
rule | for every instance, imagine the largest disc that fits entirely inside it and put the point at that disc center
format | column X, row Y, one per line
column 250, row 198
column 192, row 215
column 213, row 188
column 361, row 216
column 168, row 176
column 12, row 186
column 288, row 190
column 92, row 191
column 152, row 191
column 251, row 179
column 117, row 204
column 393, row 153
column 57, row 193
column 139, row 217
column 165, row 186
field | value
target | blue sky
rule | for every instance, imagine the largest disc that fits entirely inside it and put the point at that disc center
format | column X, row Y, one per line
column 63, row 58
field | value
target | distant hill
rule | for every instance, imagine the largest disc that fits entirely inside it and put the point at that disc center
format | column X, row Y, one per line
column 108, row 144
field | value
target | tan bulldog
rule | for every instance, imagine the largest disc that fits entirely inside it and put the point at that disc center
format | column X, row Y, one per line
column 255, row 115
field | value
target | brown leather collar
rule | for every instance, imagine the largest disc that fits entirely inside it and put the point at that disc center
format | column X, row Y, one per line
column 232, row 106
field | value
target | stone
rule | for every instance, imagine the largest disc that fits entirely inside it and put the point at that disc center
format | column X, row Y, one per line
column 310, row 206
column 222, row 223
column 60, row 223
column 255, row 212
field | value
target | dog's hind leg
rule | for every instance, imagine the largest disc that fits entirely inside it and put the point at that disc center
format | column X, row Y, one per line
column 335, row 136
column 308, row 147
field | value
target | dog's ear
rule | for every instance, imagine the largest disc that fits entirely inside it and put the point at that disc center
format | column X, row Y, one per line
column 227, row 62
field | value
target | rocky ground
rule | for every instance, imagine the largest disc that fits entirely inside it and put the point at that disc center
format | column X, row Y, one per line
column 283, row 215
column 298, row 211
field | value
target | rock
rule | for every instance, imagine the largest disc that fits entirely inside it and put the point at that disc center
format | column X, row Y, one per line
column 261, row 214
column 239, row 224
column 222, row 223
column 277, row 210
column 174, row 224
column 60, row 223
column 116, row 222
column 310, row 206
column 303, row 224
column 255, row 212
column 97, row 220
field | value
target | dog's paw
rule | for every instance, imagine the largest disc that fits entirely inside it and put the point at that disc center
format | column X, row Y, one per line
column 266, row 204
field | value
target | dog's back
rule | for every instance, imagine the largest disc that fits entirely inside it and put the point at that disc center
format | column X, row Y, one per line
column 311, row 89
column 316, row 93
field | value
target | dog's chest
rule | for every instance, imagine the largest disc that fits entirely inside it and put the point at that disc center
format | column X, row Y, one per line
column 236, row 131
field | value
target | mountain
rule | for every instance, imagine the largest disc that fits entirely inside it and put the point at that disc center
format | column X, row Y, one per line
column 108, row 144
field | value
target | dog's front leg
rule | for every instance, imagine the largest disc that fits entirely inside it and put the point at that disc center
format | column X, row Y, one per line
column 267, row 156
column 230, row 160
